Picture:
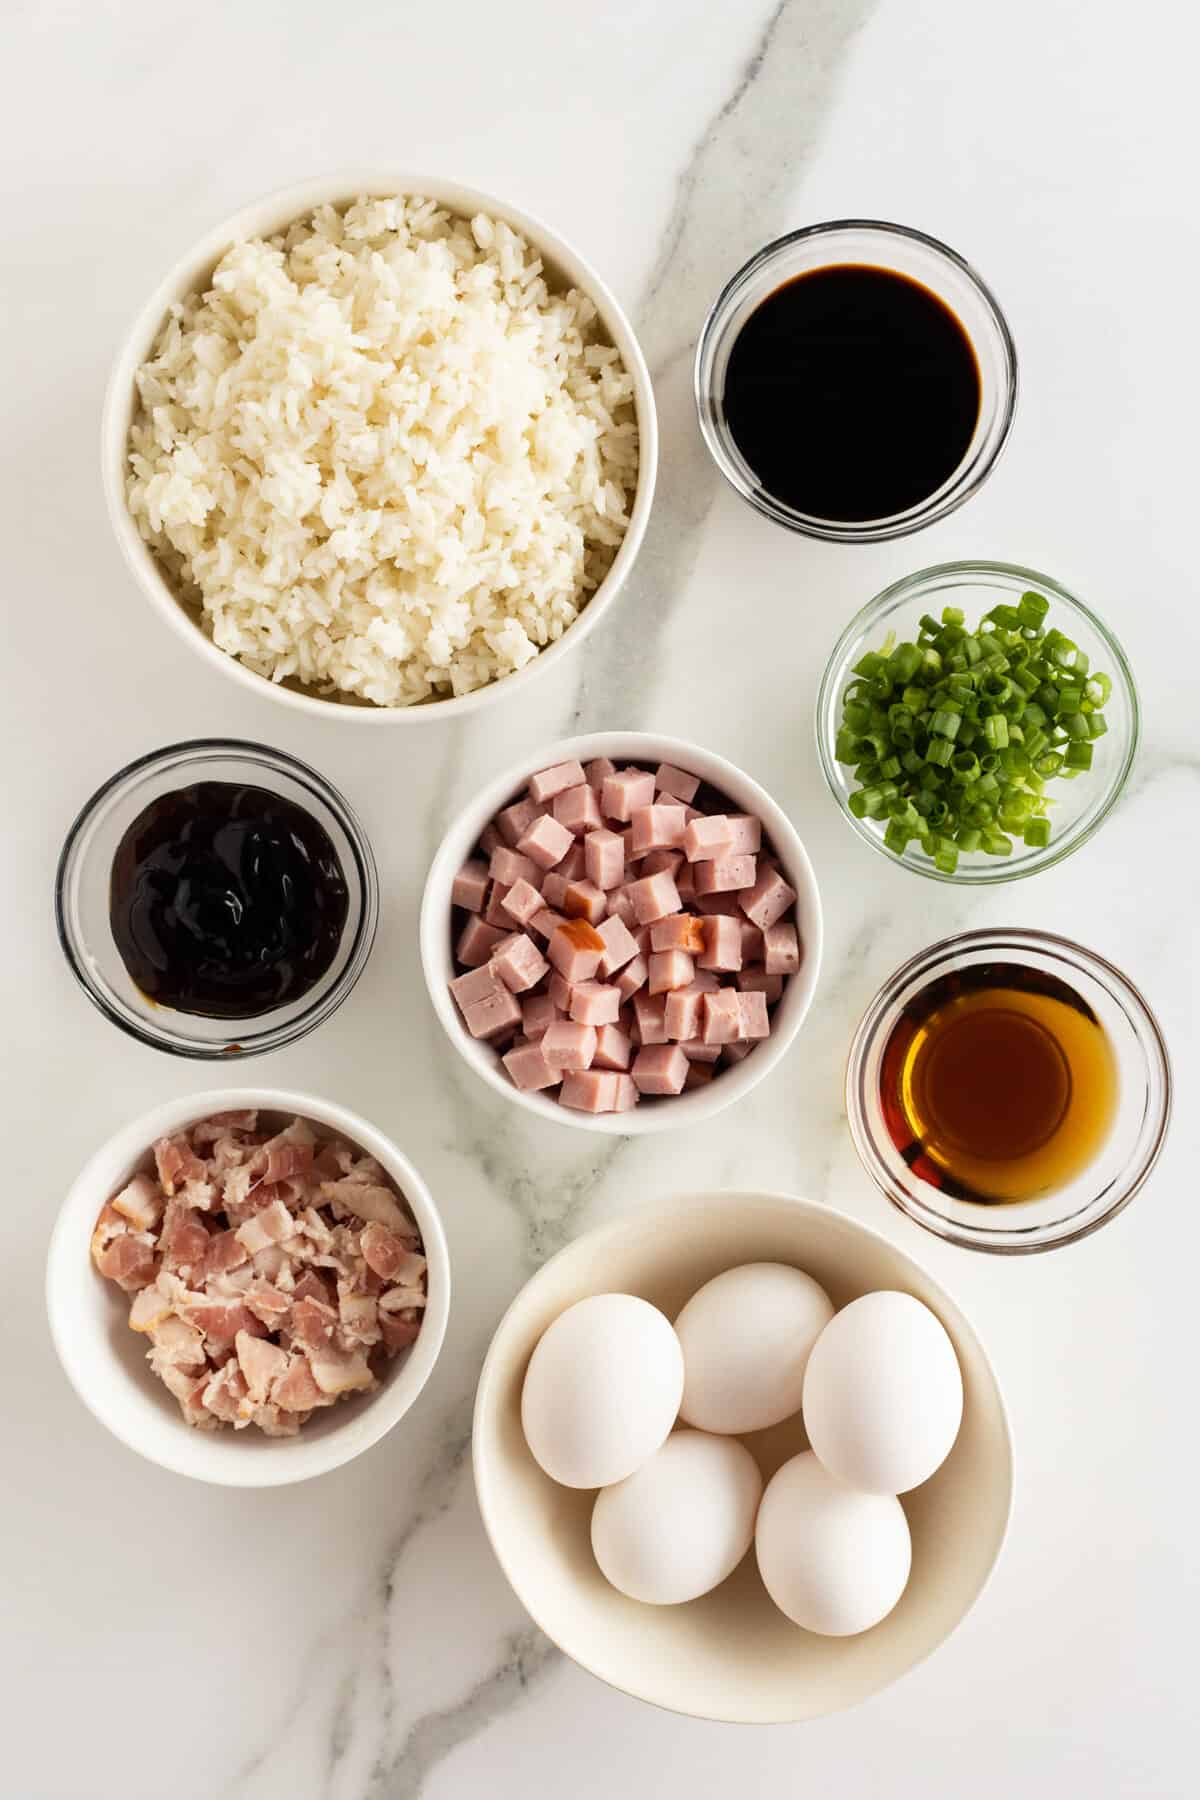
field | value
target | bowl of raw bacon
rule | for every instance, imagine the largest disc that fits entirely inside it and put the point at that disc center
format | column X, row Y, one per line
column 249, row 1287
column 622, row 933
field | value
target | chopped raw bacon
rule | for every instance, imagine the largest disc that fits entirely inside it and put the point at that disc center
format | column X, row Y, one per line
column 129, row 1261
column 261, row 1364
column 141, row 1203
column 295, row 1390
column 176, row 1163
column 366, row 1201
column 184, row 1240
column 399, row 1330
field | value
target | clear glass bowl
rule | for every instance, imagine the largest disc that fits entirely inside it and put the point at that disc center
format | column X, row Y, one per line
column 879, row 245
column 1120, row 1166
column 1080, row 806
column 81, row 897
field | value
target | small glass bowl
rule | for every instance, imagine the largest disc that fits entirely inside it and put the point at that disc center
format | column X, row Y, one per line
column 1121, row 1165
column 879, row 245
column 81, row 897
column 1079, row 807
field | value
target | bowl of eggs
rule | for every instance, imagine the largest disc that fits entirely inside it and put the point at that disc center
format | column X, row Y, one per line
column 741, row 1457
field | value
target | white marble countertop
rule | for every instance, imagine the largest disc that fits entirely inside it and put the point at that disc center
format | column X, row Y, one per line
column 353, row 1637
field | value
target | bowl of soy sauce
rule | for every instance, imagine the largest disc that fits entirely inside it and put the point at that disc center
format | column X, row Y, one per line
column 856, row 381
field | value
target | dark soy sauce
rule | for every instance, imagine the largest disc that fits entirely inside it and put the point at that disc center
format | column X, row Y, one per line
column 226, row 901
column 852, row 392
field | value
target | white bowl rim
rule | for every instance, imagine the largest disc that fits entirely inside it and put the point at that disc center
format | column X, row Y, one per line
column 731, row 1084
column 680, row 1209
column 297, row 1459
column 271, row 213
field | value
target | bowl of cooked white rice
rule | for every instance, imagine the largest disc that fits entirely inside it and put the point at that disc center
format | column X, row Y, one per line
column 381, row 443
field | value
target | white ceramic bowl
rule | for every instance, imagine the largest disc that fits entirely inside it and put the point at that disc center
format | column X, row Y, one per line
column 621, row 747
column 272, row 214
column 105, row 1361
column 732, row 1655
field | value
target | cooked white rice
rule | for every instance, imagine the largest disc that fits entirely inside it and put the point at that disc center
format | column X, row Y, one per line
column 380, row 456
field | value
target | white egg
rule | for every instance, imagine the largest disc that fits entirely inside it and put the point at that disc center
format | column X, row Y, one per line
column 746, row 1338
column 682, row 1523
column 834, row 1560
column 602, row 1390
column 883, row 1395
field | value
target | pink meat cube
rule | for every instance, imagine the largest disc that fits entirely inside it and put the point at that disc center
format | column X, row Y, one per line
column 685, row 882
column 575, row 950
column 593, row 1090
column 653, row 897
column 753, row 1019
column 721, row 1017
column 746, row 834
column 660, row 1069
column 699, row 1075
column 546, row 922
column 728, row 904
column 598, row 771
column 584, row 900
column 781, row 949
column 522, row 902
column 649, row 1011
column 679, row 931
column 515, row 820
column 510, row 866
column 655, row 861
column 568, row 1045
column 604, row 859
column 620, row 906
column 592, row 1003
column 476, row 942
column 769, row 899
column 633, row 976
column 477, row 985
column 674, row 781
column 549, row 782
column 619, row 945
column 573, row 864
column 519, row 963
column 491, row 839
column 736, row 1053
column 756, row 980
column 554, row 887
column 752, row 941
column 491, row 1017
column 696, row 1050
column 722, row 943
column 494, row 913
column 545, row 842
column 725, row 875
column 578, row 808
column 627, row 1094
column 681, row 1015
column 469, row 887
column 613, row 1048
column 670, row 969
column 624, row 792
column 529, row 1068
column 560, row 992
column 656, row 828
column 707, row 837
column 538, row 1012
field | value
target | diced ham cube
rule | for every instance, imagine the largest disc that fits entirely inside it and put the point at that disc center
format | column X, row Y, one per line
column 725, row 875
column 593, row 1090
column 633, row 976
column 509, row 866
column 575, row 950
column 554, row 887
column 522, row 902
column 682, row 1013
column 620, row 946
column 569, row 1045
column 769, row 898
column 493, row 1016
column 676, row 782
column 653, row 897
column 545, row 842
column 752, row 941
column 649, row 1010
column 660, row 1069
column 549, row 782
column 753, row 1019
column 476, row 942
column 721, row 1017
column 469, row 887
column 584, row 900
column 592, row 1003
column 578, row 808
column 756, row 980
column 519, row 963
column 699, row 1075
column 746, row 838
column 781, row 949
column 707, row 837
column 680, row 931
column 669, row 969
column 538, row 1011
column 560, row 995
column 624, row 792
column 598, row 771
column 656, row 828
column 515, row 820
column 655, row 861
column 620, row 906
column 529, row 1069
column 604, row 859
column 685, row 882
column 574, row 863
column 627, row 1094
column 494, row 913
column 696, row 1050
column 491, row 839
column 722, row 944
column 613, row 1048
column 546, row 922
column 736, row 1053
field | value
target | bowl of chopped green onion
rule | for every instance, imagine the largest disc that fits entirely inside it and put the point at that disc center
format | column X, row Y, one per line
column 977, row 722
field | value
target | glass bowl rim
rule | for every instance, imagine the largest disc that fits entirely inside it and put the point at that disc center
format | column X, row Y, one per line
column 946, row 499
column 906, row 588
column 274, row 1037
column 1028, row 1240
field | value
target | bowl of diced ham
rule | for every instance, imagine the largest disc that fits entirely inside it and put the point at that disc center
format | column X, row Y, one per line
column 248, row 1287
column 623, row 933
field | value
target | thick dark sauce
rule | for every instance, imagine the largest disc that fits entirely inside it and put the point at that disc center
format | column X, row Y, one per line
column 226, row 901
column 852, row 392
